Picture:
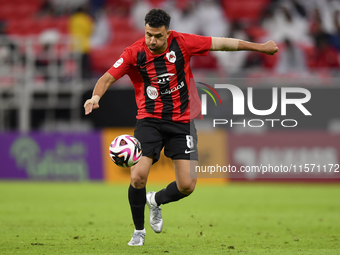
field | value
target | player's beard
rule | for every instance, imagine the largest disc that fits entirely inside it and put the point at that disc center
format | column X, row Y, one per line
column 156, row 48
column 153, row 49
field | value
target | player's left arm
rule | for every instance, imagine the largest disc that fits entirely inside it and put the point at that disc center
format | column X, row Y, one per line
column 231, row 44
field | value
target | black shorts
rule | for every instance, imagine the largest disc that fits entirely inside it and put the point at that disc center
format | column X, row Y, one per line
column 178, row 139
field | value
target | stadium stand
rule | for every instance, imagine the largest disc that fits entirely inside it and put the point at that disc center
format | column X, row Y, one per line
column 248, row 10
column 25, row 21
column 24, row 18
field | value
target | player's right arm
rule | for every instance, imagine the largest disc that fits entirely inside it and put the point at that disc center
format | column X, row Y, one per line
column 232, row 44
column 101, row 87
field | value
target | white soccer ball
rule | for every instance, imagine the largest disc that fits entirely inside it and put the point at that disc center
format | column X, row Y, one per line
column 125, row 151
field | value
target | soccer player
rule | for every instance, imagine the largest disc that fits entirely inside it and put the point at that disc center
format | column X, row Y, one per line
column 167, row 100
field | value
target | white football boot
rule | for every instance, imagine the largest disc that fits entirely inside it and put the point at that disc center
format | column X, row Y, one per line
column 138, row 238
column 156, row 220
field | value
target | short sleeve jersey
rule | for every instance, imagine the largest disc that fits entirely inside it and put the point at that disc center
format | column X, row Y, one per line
column 164, row 84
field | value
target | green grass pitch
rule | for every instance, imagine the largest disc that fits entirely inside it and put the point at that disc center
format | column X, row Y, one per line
column 94, row 218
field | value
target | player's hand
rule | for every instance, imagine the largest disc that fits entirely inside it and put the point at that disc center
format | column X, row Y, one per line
column 90, row 104
column 270, row 48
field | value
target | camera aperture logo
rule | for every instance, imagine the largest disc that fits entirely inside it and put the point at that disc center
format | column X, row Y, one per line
column 239, row 105
column 204, row 97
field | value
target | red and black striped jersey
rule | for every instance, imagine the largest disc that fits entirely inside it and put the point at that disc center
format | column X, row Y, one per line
column 164, row 84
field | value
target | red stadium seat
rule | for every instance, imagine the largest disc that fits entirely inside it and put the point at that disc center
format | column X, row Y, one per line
column 34, row 26
column 123, row 33
column 121, row 24
column 269, row 61
column 249, row 10
column 156, row 3
column 102, row 59
column 119, row 7
column 31, row 27
column 120, row 3
column 15, row 27
column 204, row 62
column 309, row 53
column 14, row 9
column 46, row 23
column 7, row 12
column 26, row 10
column 34, row 3
column 256, row 32
column 62, row 25
column 126, row 38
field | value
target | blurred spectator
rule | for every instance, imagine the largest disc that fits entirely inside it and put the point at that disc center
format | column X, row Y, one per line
column 184, row 17
column 47, row 56
column 80, row 28
column 11, row 58
column 253, row 59
column 64, row 7
column 232, row 62
column 300, row 7
column 329, row 14
column 334, row 39
column 8, row 48
column 326, row 26
column 304, row 7
column 211, row 18
column 291, row 59
column 285, row 22
column 138, row 12
column 46, row 9
column 324, row 56
column 102, row 31
column 316, row 23
column 97, row 6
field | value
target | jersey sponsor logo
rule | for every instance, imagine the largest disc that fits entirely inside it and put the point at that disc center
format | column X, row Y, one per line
column 118, row 63
column 171, row 56
column 169, row 91
column 152, row 92
column 163, row 78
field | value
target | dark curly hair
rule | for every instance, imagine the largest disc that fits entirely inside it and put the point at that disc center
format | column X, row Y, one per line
column 157, row 18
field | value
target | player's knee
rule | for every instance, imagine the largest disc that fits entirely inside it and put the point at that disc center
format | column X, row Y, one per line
column 187, row 188
column 138, row 181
